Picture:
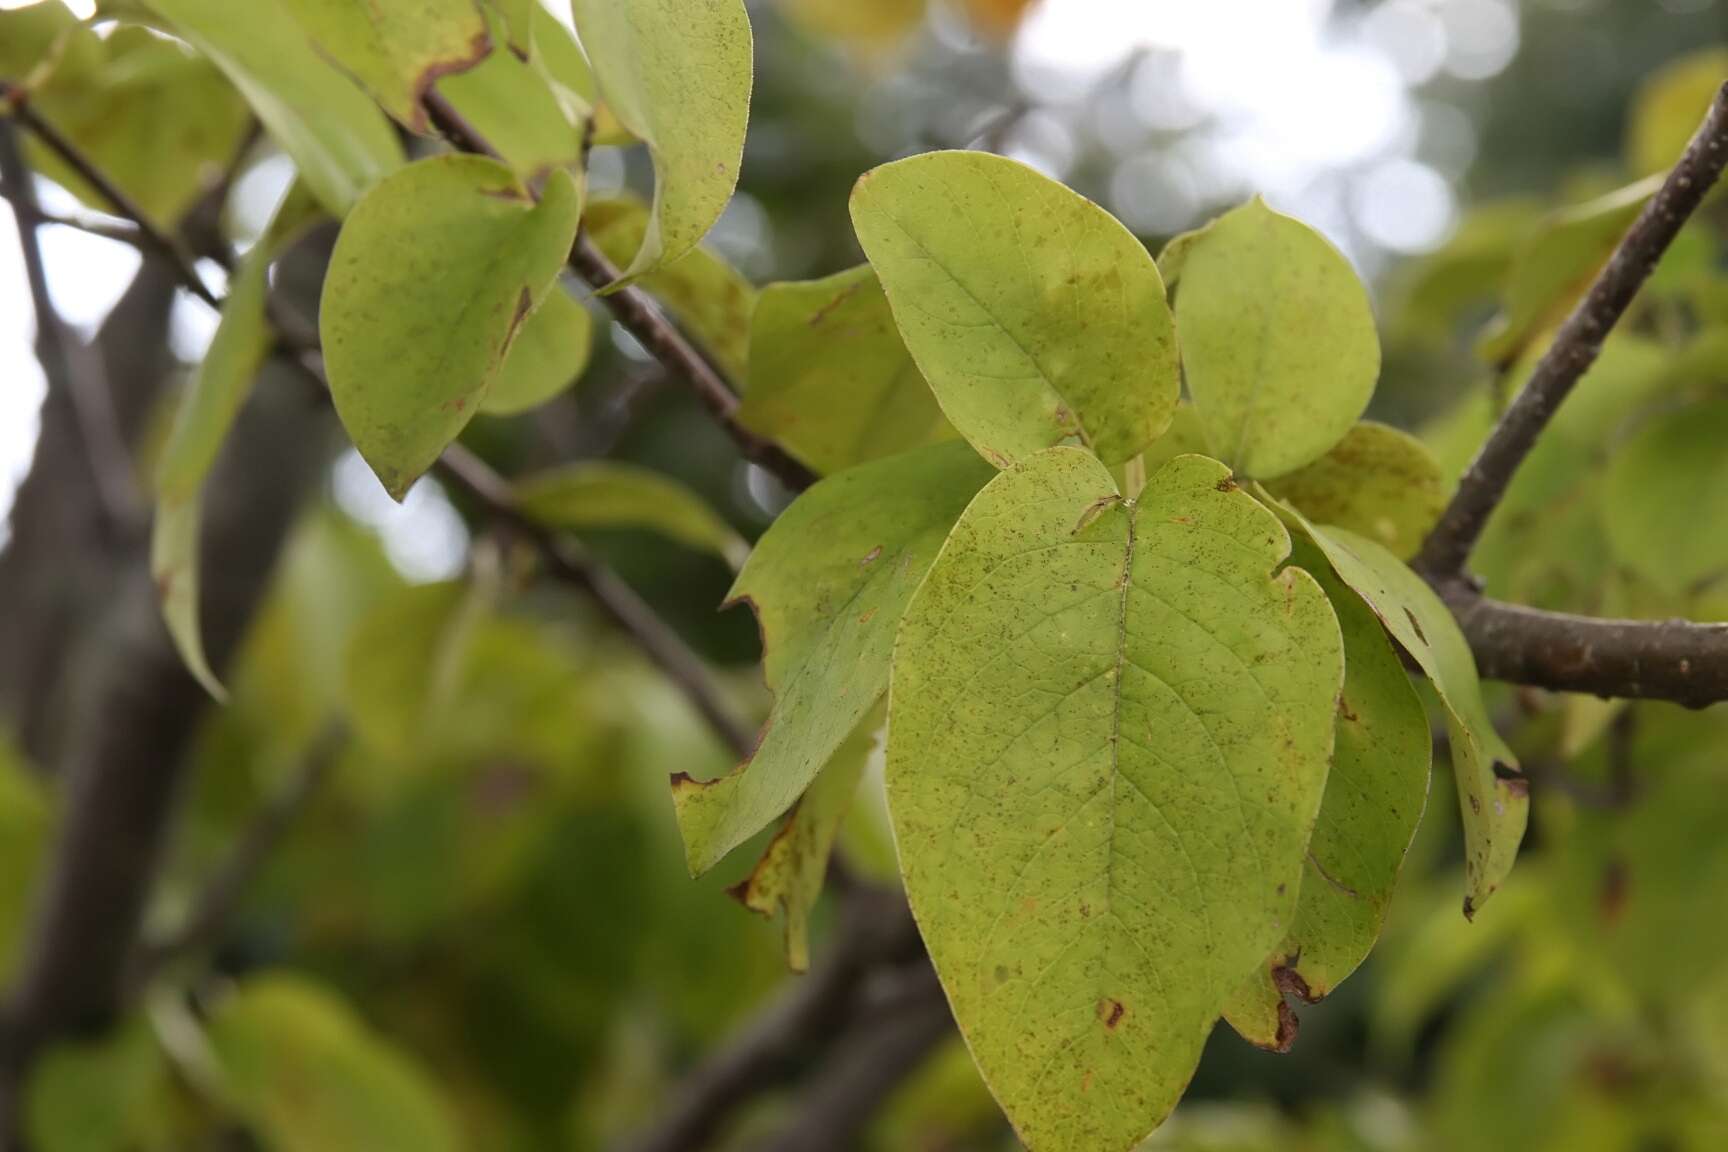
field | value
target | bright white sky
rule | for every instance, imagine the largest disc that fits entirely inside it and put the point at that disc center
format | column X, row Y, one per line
column 1318, row 117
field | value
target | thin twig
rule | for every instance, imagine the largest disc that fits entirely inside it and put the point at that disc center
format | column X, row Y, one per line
column 153, row 237
column 1575, row 347
column 67, row 361
column 216, row 903
column 28, row 212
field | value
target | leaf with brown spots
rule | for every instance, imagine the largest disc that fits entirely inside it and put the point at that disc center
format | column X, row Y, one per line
column 1109, row 728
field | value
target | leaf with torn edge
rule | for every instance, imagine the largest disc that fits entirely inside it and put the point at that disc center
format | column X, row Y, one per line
column 830, row 377
column 1278, row 340
column 677, row 74
column 1378, row 481
column 1493, row 801
column 1037, row 318
column 1109, row 728
column 828, row 582
column 340, row 143
column 610, row 494
column 1373, row 803
column 397, row 50
column 433, row 276
column 787, row 880
column 547, row 356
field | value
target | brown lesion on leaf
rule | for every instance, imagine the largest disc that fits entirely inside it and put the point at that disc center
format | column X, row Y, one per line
column 1228, row 484
column 524, row 306
column 1416, row 624
column 840, row 298
column 1111, row 1011
column 479, row 47
column 871, row 557
column 1094, row 510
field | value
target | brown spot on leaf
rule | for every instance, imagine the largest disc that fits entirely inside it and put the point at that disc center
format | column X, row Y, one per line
column 871, row 557
column 1292, row 983
column 1228, row 484
column 524, row 305
column 1111, row 1011
column 1416, row 624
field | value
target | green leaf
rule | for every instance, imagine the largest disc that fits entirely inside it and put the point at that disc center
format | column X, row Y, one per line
column 1378, row 482
column 512, row 104
column 518, row 19
column 1109, row 728
column 397, row 49
column 608, row 494
column 830, row 377
column 1555, row 266
column 339, row 142
column 828, row 582
column 306, row 1075
column 787, row 880
column 432, row 277
column 677, row 73
column 1665, row 505
column 40, row 43
column 174, row 568
column 110, row 1094
column 1494, row 807
column 1278, row 340
column 1373, row 803
column 1035, row 316
column 403, row 663
column 547, row 356
column 26, row 818
column 1669, row 107
column 707, row 297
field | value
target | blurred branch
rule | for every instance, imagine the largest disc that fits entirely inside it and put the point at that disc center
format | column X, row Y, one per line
column 1575, row 347
column 28, row 212
column 216, row 903
column 70, row 365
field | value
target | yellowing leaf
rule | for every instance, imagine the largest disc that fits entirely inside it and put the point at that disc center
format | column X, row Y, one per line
column 338, row 140
column 830, row 377
column 1494, row 804
column 1109, row 727
column 607, row 494
column 1378, row 482
column 1035, row 316
column 787, row 880
column 432, row 278
column 677, row 74
column 1665, row 506
column 306, row 1074
column 397, row 49
column 828, row 581
column 1670, row 106
column 1277, row 339
column 546, row 357
column 707, row 297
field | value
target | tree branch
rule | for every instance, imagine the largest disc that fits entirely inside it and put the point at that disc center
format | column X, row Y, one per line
column 1576, row 346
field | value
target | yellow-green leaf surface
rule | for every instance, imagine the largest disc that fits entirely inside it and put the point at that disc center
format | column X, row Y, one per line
column 108, row 1093
column 174, row 568
column 432, row 277
column 1278, row 340
column 787, row 880
column 677, row 73
column 513, row 106
column 706, row 296
column 1666, row 500
column 403, row 661
column 1109, row 728
column 1494, row 807
column 397, row 49
column 46, row 42
column 307, row 1075
column 1379, row 482
column 829, row 582
column 1555, row 266
column 1035, row 316
column 546, row 357
column 830, row 377
column 1374, row 798
column 1670, row 106
column 339, row 141
column 608, row 494
column 26, row 818
column 517, row 17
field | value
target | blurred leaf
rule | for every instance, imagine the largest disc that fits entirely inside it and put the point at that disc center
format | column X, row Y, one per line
column 1669, row 107
column 1376, row 481
column 174, row 562
column 432, row 277
column 338, row 140
column 397, row 50
column 830, row 378
column 547, row 356
column 307, row 1075
column 104, row 1095
column 1068, row 728
column 828, row 583
column 1278, row 341
column 707, row 297
column 607, row 494
column 988, row 266
column 1665, row 503
column 26, row 816
column 404, row 661
column 44, row 42
column 678, row 76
